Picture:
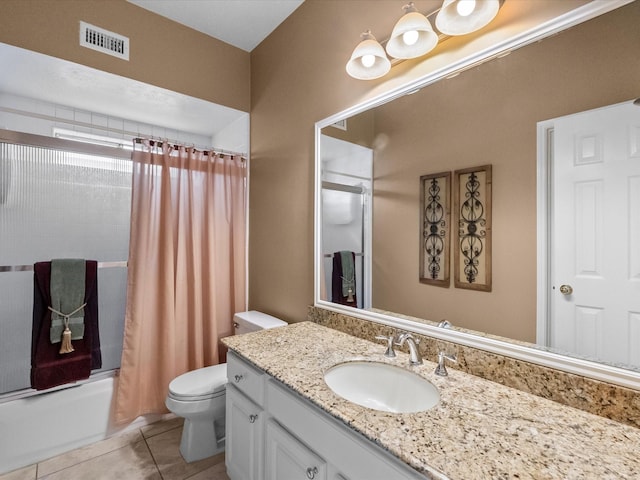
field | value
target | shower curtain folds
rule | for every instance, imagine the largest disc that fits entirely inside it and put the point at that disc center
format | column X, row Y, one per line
column 186, row 273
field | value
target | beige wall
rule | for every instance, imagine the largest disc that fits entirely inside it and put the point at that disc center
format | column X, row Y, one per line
column 298, row 78
column 293, row 79
column 163, row 53
column 360, row 130
column 489, row 115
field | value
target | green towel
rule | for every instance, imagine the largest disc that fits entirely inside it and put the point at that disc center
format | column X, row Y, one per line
column 67, row 294
column 348, row 273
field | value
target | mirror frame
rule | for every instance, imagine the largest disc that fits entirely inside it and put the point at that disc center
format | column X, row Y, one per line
column 518, row 350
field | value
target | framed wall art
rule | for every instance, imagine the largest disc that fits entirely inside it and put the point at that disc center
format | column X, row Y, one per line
column 472, row 220
column 435, row 219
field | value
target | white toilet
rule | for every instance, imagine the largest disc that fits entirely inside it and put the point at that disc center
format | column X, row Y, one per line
column 199, row 396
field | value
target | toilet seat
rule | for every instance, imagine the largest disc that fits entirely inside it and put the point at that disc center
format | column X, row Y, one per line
column 200, row 384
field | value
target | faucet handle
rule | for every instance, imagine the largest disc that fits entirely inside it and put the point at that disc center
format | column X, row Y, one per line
column 441, row 369
column 389, row 352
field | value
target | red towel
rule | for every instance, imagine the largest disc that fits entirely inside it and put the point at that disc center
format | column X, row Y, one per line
column 48, row 367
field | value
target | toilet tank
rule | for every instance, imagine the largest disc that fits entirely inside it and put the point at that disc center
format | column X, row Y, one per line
column 251, row 321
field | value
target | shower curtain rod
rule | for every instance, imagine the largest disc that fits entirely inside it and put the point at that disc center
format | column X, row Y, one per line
column 93, row 126
column 211, row 150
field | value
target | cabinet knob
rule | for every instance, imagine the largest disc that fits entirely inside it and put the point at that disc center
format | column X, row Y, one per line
column 237, row 378
column 312, row 472
column 253, row 418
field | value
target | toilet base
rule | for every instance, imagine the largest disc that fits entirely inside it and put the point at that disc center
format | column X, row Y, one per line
column 199, row 440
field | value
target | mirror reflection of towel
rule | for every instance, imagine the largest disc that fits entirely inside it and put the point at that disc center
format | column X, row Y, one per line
column 344, row 279
column 347, row 259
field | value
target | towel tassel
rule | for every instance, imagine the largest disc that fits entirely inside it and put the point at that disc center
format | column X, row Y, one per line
column 65, row 345
column 350, row 295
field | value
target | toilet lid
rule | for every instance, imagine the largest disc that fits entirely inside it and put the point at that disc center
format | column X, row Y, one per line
column 199, row 383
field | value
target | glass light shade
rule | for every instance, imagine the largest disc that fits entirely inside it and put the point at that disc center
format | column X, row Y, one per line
column 426, row 41
column 368, row 60
column 451, row 22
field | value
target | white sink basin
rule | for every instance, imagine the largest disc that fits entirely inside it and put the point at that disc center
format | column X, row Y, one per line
column 382, row 387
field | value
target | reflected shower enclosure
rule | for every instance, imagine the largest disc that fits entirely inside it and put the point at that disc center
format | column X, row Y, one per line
column 346, row 222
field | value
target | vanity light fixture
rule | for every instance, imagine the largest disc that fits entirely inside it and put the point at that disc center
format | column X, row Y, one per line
column 412, row 36
column 459, row 17
column 368, row 60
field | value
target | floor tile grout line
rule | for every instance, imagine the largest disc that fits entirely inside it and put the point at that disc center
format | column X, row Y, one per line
column 159, row 433
column 153, row 457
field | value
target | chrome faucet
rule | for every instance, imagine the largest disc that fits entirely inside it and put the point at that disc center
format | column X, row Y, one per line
column 412, row 343
column 441, row 369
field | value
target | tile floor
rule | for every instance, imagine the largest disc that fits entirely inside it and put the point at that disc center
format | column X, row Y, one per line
column 149, row 453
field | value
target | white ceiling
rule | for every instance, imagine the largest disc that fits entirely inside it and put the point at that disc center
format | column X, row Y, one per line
column 242, row 23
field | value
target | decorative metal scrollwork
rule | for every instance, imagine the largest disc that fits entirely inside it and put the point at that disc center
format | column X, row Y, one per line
column 471, row 228
column 434, row 226
column 435, row 200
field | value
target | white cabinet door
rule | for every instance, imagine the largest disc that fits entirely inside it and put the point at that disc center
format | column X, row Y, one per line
column 288, row 459
column 245, row 437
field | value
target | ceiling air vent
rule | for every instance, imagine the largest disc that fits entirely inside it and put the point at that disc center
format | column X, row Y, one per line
column 104, row 41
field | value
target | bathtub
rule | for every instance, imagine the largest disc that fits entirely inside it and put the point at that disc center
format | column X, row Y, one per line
column 42, row 426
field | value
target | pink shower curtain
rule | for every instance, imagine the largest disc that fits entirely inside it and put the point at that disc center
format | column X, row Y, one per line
column 186, row 270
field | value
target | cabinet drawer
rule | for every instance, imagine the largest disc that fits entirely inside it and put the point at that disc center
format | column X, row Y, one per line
column 246, row 378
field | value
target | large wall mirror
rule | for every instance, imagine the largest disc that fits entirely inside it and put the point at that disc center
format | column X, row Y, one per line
column 564, row 95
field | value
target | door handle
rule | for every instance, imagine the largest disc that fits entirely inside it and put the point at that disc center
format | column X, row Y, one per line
column 566, row 289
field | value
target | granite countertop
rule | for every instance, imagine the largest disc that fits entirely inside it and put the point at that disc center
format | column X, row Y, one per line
column 479, row 430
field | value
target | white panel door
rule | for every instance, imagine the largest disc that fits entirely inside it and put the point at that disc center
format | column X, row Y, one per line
column 596, row 234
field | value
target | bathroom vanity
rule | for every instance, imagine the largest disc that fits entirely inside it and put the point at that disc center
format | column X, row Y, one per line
column 274, row 434
column 283, row 421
